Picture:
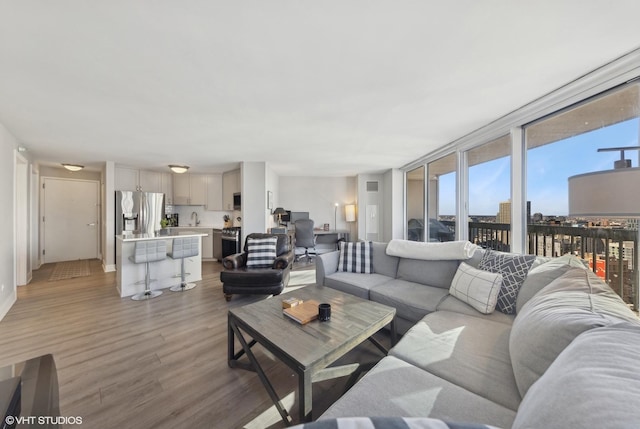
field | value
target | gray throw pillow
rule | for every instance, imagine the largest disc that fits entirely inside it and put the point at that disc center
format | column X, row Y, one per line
column 514, row 269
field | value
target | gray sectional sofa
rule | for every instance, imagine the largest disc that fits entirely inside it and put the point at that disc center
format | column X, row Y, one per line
column 568, row 358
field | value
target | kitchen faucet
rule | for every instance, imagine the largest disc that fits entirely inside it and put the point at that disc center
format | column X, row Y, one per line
column 196, row 216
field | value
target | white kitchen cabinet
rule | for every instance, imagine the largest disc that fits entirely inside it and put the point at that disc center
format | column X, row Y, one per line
column 230, row 185
column 167, row 188
column 181, row 189
column 214, row 192
column 150, row 181
column 189, row 189
column 126, row 179
column 207, row 243
column 132, row 179
column 198, row 189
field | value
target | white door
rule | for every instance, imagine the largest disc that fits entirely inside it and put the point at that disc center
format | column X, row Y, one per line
column 70, row 222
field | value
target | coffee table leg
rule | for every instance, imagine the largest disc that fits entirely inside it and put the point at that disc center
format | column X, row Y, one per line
column 394, row 333
column 286, row 418
column 305, row 387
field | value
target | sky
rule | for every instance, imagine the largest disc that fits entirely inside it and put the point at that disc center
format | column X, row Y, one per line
column 548, row 168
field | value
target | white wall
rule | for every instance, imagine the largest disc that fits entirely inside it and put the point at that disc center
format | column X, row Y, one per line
column 318, row 195
column 273, row 185
column 254, row 198
column 7, row 259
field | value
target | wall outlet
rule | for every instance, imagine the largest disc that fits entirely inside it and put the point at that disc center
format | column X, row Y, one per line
column 2, row 288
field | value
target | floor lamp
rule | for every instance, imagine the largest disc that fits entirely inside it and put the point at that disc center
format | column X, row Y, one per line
column 350, row 216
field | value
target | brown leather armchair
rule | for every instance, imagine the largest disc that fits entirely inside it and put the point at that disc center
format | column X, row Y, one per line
column 237, row 278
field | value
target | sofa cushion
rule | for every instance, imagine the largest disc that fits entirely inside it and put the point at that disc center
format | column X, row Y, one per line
column 514, row 269
column 594, row 383
column 433, row 273
column 543, row 271
column 382, row 263
column 388, row 423
column 354, row 283
column 355, row 257
column 470, row 352
column 412, row 301
column 575, row 302
column 396, row 388
column 478, row 288
column 261, row 252
column 451, row 303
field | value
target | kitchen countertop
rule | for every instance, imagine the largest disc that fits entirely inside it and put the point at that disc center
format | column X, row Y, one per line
column 153, row 236
column 197, row 227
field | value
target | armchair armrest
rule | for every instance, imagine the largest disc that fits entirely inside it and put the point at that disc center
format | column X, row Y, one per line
column 235, row 261
column 284, row 260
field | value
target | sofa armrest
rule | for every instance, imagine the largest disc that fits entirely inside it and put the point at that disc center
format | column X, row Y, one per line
column 284, row 260
column 326, row 264
column 235, row 261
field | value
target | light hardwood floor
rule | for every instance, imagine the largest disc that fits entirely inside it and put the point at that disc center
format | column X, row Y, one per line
column 154, row 364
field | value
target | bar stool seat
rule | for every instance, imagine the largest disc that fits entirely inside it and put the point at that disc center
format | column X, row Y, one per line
column 182, row 248
column 144, row 253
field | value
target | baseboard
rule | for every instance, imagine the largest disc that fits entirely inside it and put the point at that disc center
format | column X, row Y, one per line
column 6, row 306
column 108, row 268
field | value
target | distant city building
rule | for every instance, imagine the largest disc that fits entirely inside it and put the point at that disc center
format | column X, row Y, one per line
column 627, row 252
column 504, row 214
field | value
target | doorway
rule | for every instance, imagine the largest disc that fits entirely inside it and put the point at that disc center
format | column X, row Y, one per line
column 70, row 219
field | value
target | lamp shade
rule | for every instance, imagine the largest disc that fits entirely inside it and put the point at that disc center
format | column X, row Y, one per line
column 610, row 193
column 279, row 211
column 350, row 212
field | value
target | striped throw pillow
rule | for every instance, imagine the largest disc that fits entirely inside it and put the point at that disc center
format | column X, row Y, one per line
column 261, row 252
column 356, row 257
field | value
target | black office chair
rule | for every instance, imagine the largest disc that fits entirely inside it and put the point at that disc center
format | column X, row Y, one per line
column 305, row 237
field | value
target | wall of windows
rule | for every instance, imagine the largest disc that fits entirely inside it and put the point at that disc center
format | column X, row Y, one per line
column 513, row 174
column 570, row 143
column 489, row 190
column 415, row 204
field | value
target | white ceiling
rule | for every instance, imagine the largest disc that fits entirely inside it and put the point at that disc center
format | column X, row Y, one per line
column 323, row 88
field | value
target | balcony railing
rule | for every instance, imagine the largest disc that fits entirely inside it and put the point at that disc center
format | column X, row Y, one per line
column 611, row 252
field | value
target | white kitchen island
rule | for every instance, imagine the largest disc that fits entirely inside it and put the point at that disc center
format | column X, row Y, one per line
column 130, row 276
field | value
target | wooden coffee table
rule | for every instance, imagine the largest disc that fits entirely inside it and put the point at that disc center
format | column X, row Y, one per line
column 307, row 349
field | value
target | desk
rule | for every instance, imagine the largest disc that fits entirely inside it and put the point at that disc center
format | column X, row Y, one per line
column 324, row 239
column 330, row 237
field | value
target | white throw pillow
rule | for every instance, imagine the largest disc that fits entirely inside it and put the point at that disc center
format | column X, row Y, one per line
column 478, row 288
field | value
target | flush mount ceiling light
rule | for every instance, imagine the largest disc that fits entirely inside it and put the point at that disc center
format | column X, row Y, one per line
column 73, row 167
column 179, row 168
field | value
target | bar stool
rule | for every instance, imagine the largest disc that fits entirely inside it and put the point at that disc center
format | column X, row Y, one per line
column 182, row 248
column 145, row 252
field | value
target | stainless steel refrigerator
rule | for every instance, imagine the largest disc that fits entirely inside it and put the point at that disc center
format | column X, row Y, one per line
column 138, row 212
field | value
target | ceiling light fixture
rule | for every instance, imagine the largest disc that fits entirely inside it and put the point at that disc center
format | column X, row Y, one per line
column 73, row 167
column 179, row 168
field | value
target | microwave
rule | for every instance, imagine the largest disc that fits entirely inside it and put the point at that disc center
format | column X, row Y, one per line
column 237, row 201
